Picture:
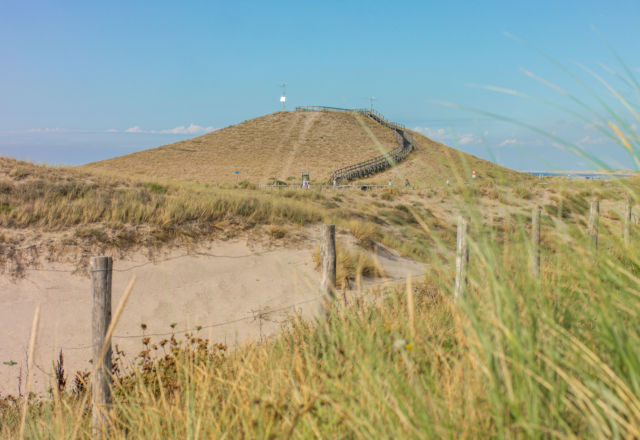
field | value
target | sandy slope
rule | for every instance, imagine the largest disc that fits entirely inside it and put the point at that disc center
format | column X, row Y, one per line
column 250, row 290
column 279, row 145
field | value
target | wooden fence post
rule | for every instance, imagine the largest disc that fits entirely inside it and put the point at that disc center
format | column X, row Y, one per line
column 462, row 258
column 100, row 270
column 535, row 242
column 594, row 214
column 627, row 222
column 328, row 255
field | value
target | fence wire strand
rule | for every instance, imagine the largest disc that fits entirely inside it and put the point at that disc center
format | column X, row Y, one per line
column 198, row 328
column 154, row 262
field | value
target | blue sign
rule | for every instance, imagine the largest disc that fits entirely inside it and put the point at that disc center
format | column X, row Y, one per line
column 237, row 172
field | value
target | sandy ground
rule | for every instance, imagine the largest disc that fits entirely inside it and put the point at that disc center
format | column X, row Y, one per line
column 235, row 292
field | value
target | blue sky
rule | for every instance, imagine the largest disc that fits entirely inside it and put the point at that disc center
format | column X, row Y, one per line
column 82, row 81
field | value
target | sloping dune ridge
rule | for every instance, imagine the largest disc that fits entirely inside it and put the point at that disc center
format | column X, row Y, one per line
column 283, row 145
column 278, row 145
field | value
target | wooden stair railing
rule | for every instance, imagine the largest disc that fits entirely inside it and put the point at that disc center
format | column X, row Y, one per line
column 375, row 164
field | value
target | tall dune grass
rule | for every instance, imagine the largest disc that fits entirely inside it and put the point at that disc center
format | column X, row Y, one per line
column 52, row 199
column 516, row 357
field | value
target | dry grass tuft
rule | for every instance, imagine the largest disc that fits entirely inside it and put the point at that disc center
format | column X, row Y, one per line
column 350, row 263
column 365, row 233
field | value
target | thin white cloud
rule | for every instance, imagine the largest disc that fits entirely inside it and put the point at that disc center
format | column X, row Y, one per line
column 181, row 129
column 466, row 139
column 443, row 135
column 51, row 130
column 436, row 133
column 507, row 142
column 191, row 129
column 46, row 130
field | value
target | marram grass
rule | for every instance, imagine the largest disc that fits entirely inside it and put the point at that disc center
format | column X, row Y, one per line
column 516, row 357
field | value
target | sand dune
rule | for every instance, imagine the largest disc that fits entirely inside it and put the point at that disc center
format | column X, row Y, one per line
column 235, row 291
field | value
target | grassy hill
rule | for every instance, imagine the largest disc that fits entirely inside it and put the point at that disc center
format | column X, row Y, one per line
column 278, row 145
column 282, row 145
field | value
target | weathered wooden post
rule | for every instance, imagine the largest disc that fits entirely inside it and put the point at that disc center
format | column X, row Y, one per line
column 594, row 214
column 535, row 242
column 462, row 258
column 328, row 255
column 30, row 354
column 100, row 270
column 627, row 222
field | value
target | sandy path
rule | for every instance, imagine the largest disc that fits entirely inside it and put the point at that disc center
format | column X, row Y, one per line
column 293, row 156
column 275, row 162
column 234, row 292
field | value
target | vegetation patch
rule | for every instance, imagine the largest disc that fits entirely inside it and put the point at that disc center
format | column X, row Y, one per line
column 350, row 264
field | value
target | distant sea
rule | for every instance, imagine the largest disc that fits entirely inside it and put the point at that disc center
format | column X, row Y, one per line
column 588, row 175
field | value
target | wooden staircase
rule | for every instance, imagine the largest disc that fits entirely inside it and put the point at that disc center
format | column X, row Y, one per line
column 375, row 164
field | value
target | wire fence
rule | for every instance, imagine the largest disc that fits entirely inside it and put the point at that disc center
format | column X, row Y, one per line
column 181, row 331
column 195, row 329
column 198, row 328
column 147, row 263
column 251, row 316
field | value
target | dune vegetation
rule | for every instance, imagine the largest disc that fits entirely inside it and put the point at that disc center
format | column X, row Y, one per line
column 67, row 208
column 64, row 209
column 81, row 209
column 515, row 357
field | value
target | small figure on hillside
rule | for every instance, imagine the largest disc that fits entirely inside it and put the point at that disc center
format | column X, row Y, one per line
column 406, row 182
column 390, row 183
column 335, row 183
column 473, row 174
column 447, row 182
